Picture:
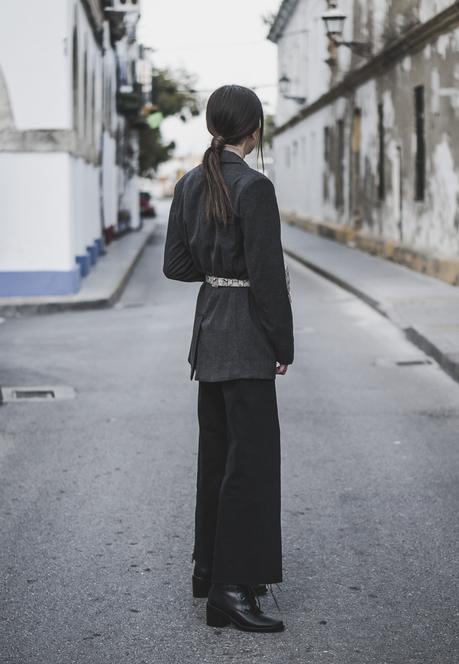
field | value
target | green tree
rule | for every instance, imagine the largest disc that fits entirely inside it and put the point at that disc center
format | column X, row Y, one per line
column 173, row 94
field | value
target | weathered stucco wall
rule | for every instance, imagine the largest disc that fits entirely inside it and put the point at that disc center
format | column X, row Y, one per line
column 432, row 223
column 328, row 166
column 380, row 21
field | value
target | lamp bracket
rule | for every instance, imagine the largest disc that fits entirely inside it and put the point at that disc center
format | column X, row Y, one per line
column 299, row 100
column 359, row 48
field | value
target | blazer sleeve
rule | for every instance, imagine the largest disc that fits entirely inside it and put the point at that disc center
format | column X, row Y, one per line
column 260, row 224
column 178, row 263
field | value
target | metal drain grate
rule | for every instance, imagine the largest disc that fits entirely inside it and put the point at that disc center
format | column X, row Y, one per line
column 128, row 305
column 36, row 393
column 391, row 362
column 412, row 363
column 33, row 394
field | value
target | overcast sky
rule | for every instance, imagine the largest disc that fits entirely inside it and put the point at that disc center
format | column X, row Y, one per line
column 220, row 42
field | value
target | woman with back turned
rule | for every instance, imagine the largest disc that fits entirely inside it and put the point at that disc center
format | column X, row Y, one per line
column 224, row 230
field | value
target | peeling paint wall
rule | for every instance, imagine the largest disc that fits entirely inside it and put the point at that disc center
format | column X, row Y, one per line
column 308, row 184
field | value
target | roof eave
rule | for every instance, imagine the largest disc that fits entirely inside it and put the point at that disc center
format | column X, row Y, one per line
column 282, row 18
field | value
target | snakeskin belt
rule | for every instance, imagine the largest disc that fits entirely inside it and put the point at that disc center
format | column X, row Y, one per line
column 226, row 281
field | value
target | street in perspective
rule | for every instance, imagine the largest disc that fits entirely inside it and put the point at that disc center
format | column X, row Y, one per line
column 98, row 490
column 98, row 415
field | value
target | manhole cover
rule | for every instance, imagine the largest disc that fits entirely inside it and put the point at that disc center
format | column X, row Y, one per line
column 36, row 393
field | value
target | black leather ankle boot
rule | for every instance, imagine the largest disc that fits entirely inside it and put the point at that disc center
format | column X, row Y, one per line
column 238, row 605
column 201, row 582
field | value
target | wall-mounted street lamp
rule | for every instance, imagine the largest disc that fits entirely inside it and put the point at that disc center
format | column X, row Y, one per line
column 334, row 20
column 284, row 87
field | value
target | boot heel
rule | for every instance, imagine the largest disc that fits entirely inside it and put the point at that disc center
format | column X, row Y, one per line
column 215, row 617
column 200, row 586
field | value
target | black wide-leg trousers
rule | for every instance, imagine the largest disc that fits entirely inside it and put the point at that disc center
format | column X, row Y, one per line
column 237, row 524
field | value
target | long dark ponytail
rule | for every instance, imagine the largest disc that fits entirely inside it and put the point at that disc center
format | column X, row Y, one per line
column 233, row 112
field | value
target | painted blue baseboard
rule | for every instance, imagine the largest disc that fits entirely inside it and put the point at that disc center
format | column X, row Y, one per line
column 100, row 246
column 93, row 254
column 84, row 262
column 17, row 284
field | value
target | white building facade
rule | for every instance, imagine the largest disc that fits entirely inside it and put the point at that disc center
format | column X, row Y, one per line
column 67, row 153
column 371, row 143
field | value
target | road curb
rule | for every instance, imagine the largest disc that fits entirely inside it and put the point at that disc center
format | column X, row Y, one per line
column 104, row 302
column 446, row 362
column 446, row 270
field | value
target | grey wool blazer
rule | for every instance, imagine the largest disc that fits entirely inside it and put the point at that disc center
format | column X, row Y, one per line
column 238, row 332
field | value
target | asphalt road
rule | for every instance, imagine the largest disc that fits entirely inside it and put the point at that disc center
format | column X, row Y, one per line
column 97, row 493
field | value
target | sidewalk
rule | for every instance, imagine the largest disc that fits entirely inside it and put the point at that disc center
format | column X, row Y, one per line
column 426, row 309
column 100, row 288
